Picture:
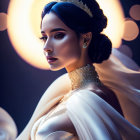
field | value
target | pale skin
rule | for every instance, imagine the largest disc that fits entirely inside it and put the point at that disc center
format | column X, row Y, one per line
column 62, row 43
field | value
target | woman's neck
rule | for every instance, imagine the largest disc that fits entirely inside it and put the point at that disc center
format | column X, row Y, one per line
column 83, row 61
column 84, row 76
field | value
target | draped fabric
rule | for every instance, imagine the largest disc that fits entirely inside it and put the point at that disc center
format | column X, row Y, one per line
column 92, row 117
column 125, row 83
column 45, row 127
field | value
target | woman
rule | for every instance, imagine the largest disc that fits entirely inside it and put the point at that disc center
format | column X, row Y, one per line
column 79, row 105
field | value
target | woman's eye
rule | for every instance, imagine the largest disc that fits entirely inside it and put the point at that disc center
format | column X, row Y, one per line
column 43, row 38
column 59, row 35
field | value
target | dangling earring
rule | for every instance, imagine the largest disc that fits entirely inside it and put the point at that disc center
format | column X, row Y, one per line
column 85, row 45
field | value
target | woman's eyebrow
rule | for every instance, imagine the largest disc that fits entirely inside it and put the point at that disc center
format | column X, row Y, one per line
column 57, row 29
column 54, row 30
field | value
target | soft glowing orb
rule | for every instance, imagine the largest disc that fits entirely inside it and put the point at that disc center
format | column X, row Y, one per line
column 3, row 21
column 26, row 44
column 135, row 12
column 131, row 30
column 24, row 27
column 113, row 10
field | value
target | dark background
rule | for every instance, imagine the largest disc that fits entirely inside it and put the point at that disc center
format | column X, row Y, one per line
column 22, row 85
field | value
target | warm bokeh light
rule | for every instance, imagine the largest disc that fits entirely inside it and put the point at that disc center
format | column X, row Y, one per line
column 131, row 30
column 35, row 16
column 24, row 27
column 3, row 21
column 26, row 44
column 135, row 12
column 113, row 10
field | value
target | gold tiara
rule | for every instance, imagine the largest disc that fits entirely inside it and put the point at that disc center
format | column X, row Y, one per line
column 77, row 3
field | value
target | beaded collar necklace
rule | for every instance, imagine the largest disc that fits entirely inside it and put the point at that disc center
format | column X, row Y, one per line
column 81, row 77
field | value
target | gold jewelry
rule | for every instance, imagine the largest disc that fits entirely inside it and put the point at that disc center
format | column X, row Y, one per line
column 83, row 76
column 80, row 78
column 77, row 3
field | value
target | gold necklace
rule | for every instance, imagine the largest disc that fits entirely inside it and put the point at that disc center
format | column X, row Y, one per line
column 80, row 78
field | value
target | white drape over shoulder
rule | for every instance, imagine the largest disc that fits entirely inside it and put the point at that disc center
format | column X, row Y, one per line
column 94, row 119
column 125, row 83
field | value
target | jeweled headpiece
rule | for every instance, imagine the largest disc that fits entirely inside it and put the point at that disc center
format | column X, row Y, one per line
column 77, row 3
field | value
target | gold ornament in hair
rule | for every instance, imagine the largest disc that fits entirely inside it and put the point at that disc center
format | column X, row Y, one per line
column 77, row 3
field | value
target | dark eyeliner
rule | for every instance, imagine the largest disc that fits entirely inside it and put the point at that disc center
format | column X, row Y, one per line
column 43, row 38
column 59, row 35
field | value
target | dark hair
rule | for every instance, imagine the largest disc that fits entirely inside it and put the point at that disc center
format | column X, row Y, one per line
column 79, row 21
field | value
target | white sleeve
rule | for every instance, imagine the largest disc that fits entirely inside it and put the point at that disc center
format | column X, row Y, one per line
column 95, row 119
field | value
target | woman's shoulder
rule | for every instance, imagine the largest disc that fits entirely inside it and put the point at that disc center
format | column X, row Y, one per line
column 63, row 79
column 88, row 93
column 87, row 110
column 61, row 84
column 83, row 95
column 86, row 101
column 98, row 96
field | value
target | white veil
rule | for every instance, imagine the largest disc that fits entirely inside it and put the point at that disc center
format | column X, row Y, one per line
column 98, row 117
column 124, row 82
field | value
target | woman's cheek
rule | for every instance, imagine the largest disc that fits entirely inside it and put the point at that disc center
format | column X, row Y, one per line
column 69, row 52
column 67, row 47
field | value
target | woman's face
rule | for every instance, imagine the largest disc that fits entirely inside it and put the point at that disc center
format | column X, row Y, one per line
column 62, row 47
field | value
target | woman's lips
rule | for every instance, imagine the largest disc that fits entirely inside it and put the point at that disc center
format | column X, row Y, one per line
column 51, row 59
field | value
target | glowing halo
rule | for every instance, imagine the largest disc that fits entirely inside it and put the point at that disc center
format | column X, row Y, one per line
column 26, row 44
column 24, row 27
column 114, row 12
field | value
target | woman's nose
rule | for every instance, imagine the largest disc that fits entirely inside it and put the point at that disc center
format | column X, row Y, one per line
column 47, row 47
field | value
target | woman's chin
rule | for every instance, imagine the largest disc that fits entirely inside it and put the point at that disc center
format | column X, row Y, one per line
column 55, row 68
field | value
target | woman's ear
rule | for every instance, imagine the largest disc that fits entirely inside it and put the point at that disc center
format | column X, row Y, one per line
column 87, row 37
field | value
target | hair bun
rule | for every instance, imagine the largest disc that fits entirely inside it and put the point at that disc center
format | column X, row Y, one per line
column 100, row 49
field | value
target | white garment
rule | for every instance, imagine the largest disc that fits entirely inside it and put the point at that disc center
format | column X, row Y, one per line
column 92, row 117
column 125, row 83
column 44, row 128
